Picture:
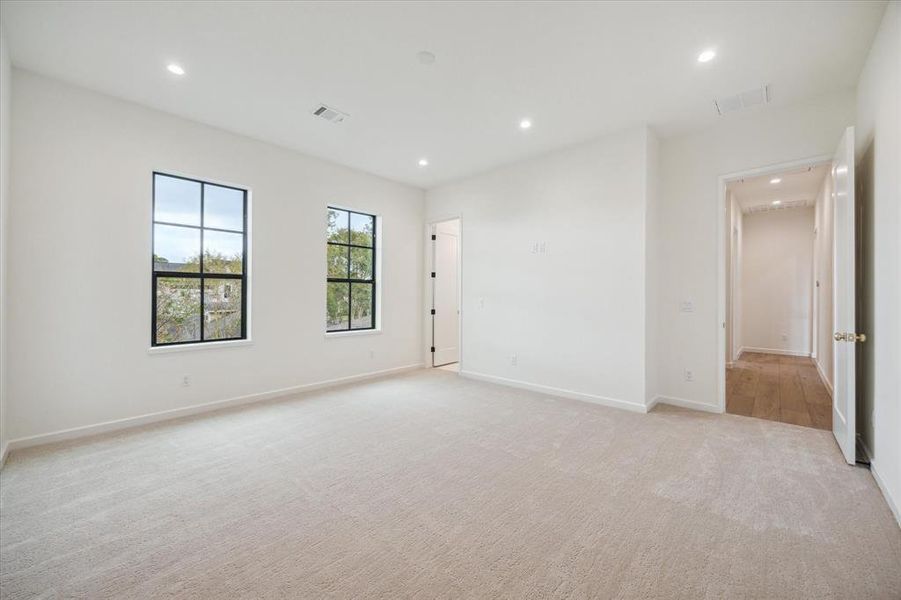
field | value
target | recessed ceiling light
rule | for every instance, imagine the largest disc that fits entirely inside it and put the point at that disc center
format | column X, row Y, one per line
column 776, row 180
column 423, row 162
column 175, row 69
column 525, row 124
column 706, row 55
column 777, row 202
column 425, row 57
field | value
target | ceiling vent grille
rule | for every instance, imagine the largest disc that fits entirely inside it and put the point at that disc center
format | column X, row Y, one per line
column 756, row 97
column 332, row 115
column 769, row 206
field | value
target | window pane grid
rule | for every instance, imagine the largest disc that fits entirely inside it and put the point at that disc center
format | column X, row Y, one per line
column 221, row 313
column 331, row 243
column 350, row 277
column 197, row 227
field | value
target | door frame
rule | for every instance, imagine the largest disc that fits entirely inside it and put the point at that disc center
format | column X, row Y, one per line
column 720, row 323
column 428, row 287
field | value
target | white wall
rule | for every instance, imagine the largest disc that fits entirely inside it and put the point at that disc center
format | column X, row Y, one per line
column 823, row 251
column 688, row 246
column 79, row 319
column 777, row 280
column 879, row 193
column 5, row 103
column 574, row 315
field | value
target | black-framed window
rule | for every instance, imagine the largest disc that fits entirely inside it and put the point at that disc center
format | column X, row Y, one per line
column 350, row 278
column 199, row 265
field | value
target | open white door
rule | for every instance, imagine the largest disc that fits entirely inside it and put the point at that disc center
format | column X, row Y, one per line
column 446, row 293
column 843, row 398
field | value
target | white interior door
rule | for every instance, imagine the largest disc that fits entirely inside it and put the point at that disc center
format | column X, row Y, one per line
column 446, row 293
column 845, row 337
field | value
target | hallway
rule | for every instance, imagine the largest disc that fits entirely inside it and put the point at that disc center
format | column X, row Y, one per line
column 778, row 388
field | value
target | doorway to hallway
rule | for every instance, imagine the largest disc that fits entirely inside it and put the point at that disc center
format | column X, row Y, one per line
column 778, row 354
column 445, row 309
column 778, row 388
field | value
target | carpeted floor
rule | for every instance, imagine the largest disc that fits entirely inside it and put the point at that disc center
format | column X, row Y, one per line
column 428, row 485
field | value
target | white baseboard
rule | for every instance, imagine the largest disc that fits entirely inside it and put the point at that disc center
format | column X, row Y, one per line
column 874, row 471
column 888, row 498
column 823, row 377
column 554, row 391
column 176, row 413
column 683, row 403
column 775, row 351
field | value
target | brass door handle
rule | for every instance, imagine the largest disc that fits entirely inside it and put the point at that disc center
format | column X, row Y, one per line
column 849, row 337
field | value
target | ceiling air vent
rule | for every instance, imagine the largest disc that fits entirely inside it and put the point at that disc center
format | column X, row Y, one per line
column 330, row 114
column 768, row 206
column 748, row 99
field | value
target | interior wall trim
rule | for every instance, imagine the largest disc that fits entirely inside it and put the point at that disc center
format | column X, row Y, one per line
column 554, row 391
column 177, row 413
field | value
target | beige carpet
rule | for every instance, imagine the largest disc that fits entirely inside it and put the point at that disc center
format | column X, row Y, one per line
column 432, row 486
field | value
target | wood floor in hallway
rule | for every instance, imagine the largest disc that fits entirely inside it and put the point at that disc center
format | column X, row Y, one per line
column 778, row 388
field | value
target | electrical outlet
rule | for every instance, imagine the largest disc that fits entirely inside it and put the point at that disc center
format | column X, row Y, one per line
column 534, row 247
column 542, row 248
column 513, row 360
column 481, row 303
column 689, row 376
column 186, row 381
column 687, row 306
column 784, row 337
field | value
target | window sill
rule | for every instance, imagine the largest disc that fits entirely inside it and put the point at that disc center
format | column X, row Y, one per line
column 198, row 346
column 340, row 334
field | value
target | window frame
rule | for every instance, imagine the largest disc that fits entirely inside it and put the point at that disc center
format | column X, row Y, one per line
column 200, row 275
column 351, row 281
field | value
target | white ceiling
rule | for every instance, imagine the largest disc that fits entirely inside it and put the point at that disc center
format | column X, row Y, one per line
column 577, row 69
column 798, row 187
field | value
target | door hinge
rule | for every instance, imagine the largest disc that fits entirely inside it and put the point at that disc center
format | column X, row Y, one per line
column 433, row 311
column 433, row 273
column 434, row 237
column 433, row 348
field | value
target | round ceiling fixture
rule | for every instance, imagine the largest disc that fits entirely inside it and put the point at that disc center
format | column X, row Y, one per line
column 777, row 202
column 175, row 69
column 425, row 57
column 525, row 124
column 776, row 180
column 706, row 55
column 423, row 162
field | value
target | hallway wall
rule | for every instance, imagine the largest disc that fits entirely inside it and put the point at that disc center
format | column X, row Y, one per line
column 823, row 274
column 733, row 278
column 777, row 281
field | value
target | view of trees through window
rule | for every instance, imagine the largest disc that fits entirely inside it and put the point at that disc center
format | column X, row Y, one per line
column 350, row 288
column 199, row 280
